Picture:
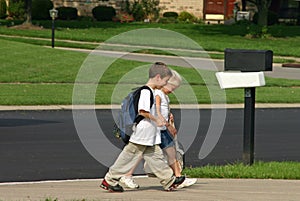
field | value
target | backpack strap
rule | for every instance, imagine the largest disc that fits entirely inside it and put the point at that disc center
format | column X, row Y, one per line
column 136, row 102
column 151, row 95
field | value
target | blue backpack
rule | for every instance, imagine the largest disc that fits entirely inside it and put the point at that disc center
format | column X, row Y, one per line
column 128, row 116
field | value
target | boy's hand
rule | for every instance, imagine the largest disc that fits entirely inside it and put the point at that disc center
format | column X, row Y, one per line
column 159, row 122
column 171, row 117
column 161, row 118
column 172, row 129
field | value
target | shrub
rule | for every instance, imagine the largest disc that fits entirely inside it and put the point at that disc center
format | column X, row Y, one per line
column 186, row 17
column 141, row 9
column 151, row 9
column 104, row 13
column 3, row 9
column 67, row 13
column 40, row 9
column 16, row 9
column 138, row 11
column 85, row 18
column 257, row 31
column 123, row 17
column 170, row 14
column 167, row 20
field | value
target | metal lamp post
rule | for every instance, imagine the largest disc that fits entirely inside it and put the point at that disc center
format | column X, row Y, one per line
column 53, row 14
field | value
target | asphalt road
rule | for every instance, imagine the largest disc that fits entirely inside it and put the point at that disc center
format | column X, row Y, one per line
column 44, row 145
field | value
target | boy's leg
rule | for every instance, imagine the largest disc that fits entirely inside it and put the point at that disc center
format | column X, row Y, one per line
column 126, row 160
column 132, row 170
column 155, row 160
column 127, row 179
column 173, row 163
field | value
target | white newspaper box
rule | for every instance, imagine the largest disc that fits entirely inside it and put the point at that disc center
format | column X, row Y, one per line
column 240, row 79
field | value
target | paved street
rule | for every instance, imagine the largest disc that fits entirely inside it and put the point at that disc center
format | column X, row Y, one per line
column 43, row 145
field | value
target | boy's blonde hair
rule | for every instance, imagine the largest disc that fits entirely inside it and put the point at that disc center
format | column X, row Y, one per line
column 175, row 79
column 159, row 68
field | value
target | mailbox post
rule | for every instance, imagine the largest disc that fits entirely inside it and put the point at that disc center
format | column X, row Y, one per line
column 246, row 67
column 249, row 119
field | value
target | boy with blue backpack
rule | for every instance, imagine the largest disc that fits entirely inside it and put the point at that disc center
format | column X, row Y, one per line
column 169, row 144
column 144, row 140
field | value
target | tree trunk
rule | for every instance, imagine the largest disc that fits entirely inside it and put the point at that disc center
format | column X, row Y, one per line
column 262, row 9
column 244, row 5
column 28, row 6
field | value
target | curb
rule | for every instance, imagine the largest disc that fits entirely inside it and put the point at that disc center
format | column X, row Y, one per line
column 173, row 106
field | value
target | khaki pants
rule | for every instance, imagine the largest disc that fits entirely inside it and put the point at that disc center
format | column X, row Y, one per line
column 130, row 155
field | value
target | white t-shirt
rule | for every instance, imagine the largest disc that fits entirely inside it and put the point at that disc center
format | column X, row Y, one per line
column 146, row 131
column 164, row 105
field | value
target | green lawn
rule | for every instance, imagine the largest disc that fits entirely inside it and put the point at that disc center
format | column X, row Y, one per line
column 284, row 40
column 259, row 170
column 31, row 74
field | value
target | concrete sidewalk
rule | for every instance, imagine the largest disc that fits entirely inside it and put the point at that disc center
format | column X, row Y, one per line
column 174, row 106
column 204, row 189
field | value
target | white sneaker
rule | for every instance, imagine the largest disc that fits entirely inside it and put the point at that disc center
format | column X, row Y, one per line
column 129, row 182
column 187, row 182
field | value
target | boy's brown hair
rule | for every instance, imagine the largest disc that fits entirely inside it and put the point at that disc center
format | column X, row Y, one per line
column 159, row 68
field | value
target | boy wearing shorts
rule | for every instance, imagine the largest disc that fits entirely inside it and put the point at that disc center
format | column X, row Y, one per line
column 168, row 131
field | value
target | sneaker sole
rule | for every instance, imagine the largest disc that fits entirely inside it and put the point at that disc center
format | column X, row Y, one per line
column 172, row 188
column 104, row 187
column 184, row 186
column 108, row 189
column 126, row 186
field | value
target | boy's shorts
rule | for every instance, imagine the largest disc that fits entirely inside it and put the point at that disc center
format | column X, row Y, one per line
column 166, row 139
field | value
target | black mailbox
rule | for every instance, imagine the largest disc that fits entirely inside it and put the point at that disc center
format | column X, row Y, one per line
column 248, row 60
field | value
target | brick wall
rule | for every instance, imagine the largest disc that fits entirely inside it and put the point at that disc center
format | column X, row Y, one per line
column 85, row 7
column 192, row 6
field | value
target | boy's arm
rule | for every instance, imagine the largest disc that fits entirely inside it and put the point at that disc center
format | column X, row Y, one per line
column 158, row 111
column 151, row 117
column 144, row 109
column 171, row 129
column 171, row 126
column 171, row 119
